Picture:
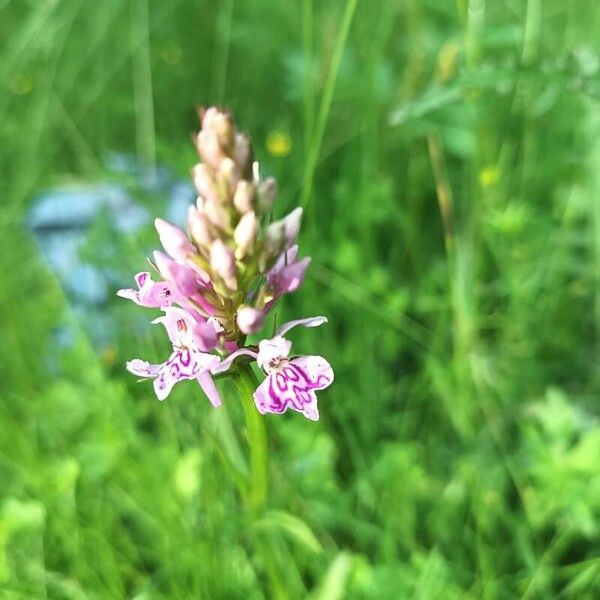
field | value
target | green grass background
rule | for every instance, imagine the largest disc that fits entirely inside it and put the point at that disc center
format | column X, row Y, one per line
column 447, row 155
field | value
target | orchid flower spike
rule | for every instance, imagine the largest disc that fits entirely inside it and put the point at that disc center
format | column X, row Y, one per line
column 222, row 277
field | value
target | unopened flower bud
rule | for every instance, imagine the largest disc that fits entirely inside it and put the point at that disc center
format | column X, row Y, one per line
column 207, row 116
column 199, row 227
column 249, row 319
column 216, row 213
column 221, row 123
column 204, row 182
column 225, row 130
column 222, row 262
column 209, row 148
column 291, row 226
column 282, row 234
column 274, row 236
column 267, row 192
column 243, row 198
column 228, row 175
column 245, row 233
column 174, row 241
column 242, row 153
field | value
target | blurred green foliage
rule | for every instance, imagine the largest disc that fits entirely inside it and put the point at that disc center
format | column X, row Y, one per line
column 454, row 224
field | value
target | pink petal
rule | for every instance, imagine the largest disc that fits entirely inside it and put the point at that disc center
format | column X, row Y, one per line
column 314, row 370
column 178, row 322
column 141, row 278
column 277, row 347
column 290, row 278
column 143, row 368
column 173, row 240
column 183, row 279
column 209, row 388
column 182, row 364
column 285, row 389
column 225, row 364
column 310, row 322
column 285, row 258
column 150, row 294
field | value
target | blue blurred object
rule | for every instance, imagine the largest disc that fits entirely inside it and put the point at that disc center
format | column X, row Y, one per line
column 61, row 220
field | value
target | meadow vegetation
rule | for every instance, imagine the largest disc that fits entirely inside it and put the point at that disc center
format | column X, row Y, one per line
column 447, row 155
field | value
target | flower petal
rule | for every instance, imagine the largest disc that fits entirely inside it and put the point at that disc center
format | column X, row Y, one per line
column 225, row 364
column 150, row 293
column 290, row 278
column 277, row 347
column 143, row 368
column 315, row 371
column 287, row 257
column 209, row 388
column 141, row 278
column 310, row 322
column 183, row 279
column 286, row 388
column 173, row 240
column 182, row 364
column 129, row 294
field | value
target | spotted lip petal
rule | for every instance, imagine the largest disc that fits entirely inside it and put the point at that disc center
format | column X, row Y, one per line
column 294, row 387
column 182, row 364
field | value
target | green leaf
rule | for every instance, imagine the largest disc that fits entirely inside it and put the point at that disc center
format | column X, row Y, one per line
column 294, row 527
column 333, row 584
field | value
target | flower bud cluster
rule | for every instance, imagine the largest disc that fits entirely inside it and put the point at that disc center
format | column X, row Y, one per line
column 233, row 264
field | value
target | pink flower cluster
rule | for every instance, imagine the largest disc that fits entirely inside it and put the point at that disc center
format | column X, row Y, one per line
column 218, row 283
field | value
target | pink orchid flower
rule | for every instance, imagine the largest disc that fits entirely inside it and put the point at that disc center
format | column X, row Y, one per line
column 290, row 382
column 150, row 293
column 192, row 339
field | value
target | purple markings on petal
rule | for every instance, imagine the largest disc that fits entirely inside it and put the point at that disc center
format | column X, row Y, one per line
column 184, row 363
column 294, row 387
column 141, row 278
column 315, row 371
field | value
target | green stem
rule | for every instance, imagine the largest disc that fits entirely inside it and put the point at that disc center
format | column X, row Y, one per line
column 256, row 497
